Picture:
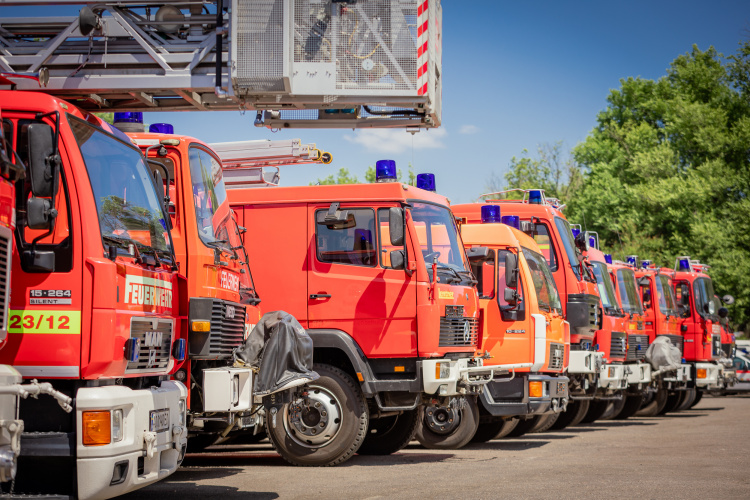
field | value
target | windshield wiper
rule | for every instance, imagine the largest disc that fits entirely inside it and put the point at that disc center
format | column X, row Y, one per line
column 457, row 276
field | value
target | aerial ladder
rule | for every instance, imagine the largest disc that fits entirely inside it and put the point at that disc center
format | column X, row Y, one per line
column 295, row 63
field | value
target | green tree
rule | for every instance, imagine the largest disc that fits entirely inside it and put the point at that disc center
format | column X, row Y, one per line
column 107, row 117
column 370, row 175
column 342, row 177
column 667, row 169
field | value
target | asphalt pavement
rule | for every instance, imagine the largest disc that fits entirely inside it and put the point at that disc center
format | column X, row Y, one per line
column 702, row 453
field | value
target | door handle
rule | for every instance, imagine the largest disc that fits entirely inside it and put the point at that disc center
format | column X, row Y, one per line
column 320, row 296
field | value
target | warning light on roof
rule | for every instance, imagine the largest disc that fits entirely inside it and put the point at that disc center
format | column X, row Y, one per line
column 632, row 259
column 536, row 197
column 512, row 221
column 608, row 258
column 592, row 241
column 645, row 264
column 491, row 213
column 161, row 128
column 385, row 171
column 128, row 116
column 684, row 263
column 426, row 182
column 575, row 231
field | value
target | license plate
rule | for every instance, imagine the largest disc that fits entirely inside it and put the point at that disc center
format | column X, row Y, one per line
column 159, row 420
column 561, row 387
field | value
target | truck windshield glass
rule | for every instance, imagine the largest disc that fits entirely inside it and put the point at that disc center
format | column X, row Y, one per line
column 627, row 291
column 703, row 291
column 666, row 296
column 546, row 290
column 566, row 235
column 606, row 290
column 544, row 242
column 210, row 198
column 126, row 201
column 438, row 239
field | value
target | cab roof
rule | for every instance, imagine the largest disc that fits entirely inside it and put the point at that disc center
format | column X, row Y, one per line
column 472, row 211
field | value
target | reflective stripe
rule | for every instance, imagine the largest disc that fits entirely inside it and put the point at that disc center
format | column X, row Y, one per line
column 540, row 341
column 48, row 371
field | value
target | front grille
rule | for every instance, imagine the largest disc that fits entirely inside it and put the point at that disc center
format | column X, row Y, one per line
column 583, row 313
column 227, row 329
column 716, row 346
column 556, row 356
column 617, row 345
column 637, row 346
column 678, row 341
column 458, row 332
column 155, row 337
column 4, row 281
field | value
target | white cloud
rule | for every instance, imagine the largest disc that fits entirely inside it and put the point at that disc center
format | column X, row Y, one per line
column 468, row 129
column 387, row 140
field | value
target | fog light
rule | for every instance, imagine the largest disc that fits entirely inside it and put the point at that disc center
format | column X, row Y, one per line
column 97, row 428
column 201, row 326
column 117, row 427
column 536, row 389
column 701, row 373
column 119, row 472
column 442, row 369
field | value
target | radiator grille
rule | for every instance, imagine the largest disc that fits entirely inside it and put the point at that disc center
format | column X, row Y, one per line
column 4, row 282
column 155, row 344
column 716, row 346
column 678, row 341
column 227, row 328
column 458, row 332
column 637, row 346
column 556, row 356
column 617, row 347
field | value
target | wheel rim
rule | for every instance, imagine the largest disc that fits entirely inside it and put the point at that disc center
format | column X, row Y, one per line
column 313, row 421
column 441, row 420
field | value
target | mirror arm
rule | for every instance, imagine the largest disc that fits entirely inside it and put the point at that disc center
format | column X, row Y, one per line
column 166, row 171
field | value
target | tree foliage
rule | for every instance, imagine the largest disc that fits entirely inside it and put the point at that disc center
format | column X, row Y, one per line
column 344, row 177
column 667, row 170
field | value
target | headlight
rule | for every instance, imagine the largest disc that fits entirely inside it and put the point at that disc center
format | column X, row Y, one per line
column 442, row 369
column 117, row 426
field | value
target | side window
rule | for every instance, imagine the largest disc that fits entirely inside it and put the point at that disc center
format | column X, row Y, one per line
column 385, row 238
column 351, row 242
column 544, row 241
column 645, row 296
column 501, row 280
column 59, row 241
column 484, row 272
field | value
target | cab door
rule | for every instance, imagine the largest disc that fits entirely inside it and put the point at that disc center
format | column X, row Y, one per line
column 351, row 284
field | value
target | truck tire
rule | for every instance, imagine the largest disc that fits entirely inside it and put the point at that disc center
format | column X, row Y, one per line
column 545, row 422
column 488, row 431
column 524, row 426
column 673, row 402
column 508, row 427
column 336, row 402
column 614, row 408
column 652, row 407
column 698, row 397
column 389, row 434
column 630, row 407
column 596, row 410
column 574, row 413
column 452, row 437
column 687, row 400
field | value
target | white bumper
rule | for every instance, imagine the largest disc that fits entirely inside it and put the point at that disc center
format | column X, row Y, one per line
column 712, row 378
column 160, row 451
column 638, row 373
column 613, row 377
column 445, row 381
column 682, row 375
column 587, row 362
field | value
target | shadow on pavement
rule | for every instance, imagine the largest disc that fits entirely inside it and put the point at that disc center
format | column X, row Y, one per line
column 188, row 478
column 400, row 458
column 515, row 444
column 603, row 424
column 719, row 408
column 549, row 435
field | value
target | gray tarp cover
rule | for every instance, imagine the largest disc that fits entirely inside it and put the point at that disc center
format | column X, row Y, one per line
column 280, row 349
column 663, row 355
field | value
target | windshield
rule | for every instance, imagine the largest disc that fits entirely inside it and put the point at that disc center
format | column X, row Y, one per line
column 704, row 293
column 566, row 235
column 544, row 284
column 438, row 238
column 604, row 283
column 627, row 291
column 126, row 201
column 666, row 296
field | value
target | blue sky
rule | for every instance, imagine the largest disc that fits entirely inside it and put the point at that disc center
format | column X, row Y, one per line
column 515, row 74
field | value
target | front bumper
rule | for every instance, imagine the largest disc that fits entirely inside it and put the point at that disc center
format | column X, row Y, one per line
column 455, row 376
column 680, row 377
column 585, row 362
column 161, row 452
column 638, row 374
column 613, row 377
column 511, row 397
column 712, row 379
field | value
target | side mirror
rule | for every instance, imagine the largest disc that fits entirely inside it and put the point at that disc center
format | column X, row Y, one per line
column 723, row 312
column 710, row 307
column 511, row 297
column 477, row 253
column 581, row 242
column 511, row 270
column 39, row 213
column 643, row 281
column 396, row 226
column 43, row 160
column 397, row 259
column 728, row 300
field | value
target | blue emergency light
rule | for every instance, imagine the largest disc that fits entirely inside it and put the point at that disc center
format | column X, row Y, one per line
column 685, row 264
column 491, row 213
column 161, row 128
column 385, row 171
column 608, row 258
column 592, row 241
column 645, row 264
column 179, row 349
column 426, row 182
column 536, row 197
column 575, row 231
column 132, row 349
column 128, row 116
column 512, row 221
column 631, row 259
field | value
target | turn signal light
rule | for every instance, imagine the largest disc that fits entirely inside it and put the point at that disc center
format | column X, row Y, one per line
column 442, row 370
column 201, row 326
column 701, row 373
column 536, row 389
column 97, row 428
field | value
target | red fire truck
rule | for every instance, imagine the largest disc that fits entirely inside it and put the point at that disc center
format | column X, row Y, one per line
column 578, row 291
column 378, row 276
column 95, row 306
